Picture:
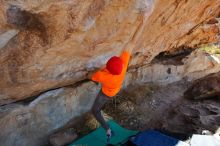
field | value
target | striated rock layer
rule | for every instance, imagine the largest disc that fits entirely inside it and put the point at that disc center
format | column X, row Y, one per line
column 54, row 43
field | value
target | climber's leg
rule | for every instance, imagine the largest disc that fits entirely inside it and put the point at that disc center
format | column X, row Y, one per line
column 100, row 101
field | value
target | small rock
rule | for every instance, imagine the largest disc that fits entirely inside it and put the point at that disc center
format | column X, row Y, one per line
column 63, row 138
column 206, row 132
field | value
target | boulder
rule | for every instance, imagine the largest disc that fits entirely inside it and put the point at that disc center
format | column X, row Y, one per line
column 63, row 138
column 48, row 48
column 60, row 42
column 193, row 117
column 206, row 87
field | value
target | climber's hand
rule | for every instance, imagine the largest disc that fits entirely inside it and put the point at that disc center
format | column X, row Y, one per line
column 89, row 75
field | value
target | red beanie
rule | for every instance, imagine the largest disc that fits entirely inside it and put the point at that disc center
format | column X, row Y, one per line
column 114, row 65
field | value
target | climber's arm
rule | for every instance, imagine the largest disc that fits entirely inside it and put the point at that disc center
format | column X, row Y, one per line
column 131, row 44
column 98, row 76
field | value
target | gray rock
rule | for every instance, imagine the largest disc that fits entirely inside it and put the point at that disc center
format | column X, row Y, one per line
column 31, row 124
column 206, row 87
column 63, row 138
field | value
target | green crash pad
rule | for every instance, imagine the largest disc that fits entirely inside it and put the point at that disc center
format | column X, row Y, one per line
column 98, row 137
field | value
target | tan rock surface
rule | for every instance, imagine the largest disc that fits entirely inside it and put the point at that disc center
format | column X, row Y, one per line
column 60, row 41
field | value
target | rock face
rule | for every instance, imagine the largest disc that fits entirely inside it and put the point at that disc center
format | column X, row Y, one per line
column 59, row 42
column 206, row 87
column 50, row 45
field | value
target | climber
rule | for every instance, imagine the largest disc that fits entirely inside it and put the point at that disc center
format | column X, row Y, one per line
column 111, row 77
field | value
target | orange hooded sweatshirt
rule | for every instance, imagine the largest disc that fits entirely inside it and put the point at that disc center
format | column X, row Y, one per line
column 111, row 84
